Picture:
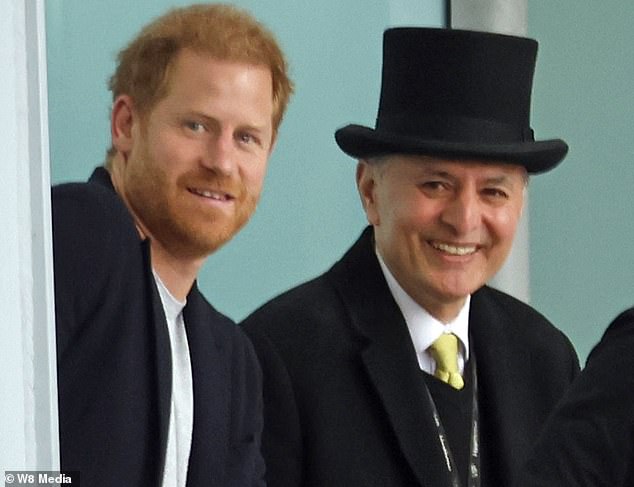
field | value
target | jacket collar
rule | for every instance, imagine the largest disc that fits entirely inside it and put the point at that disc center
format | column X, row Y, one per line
column 101, row 176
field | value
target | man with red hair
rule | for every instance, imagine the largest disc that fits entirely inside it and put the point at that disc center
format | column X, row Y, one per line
column 157, row 388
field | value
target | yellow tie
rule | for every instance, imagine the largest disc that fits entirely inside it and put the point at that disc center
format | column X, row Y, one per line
column 445, row 352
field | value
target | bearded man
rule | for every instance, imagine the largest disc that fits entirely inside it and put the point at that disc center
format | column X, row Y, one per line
column 157, row 388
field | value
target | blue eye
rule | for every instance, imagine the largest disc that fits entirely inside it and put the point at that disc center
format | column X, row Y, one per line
column 195, row 126
column 247, row 138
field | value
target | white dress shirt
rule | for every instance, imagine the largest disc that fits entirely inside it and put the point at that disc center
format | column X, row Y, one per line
column 424, row 329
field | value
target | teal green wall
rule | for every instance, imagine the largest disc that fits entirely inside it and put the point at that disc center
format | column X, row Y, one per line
column 309, row 213
column 581, row 225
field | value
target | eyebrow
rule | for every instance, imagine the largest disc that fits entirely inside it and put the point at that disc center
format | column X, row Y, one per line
column 502, row 179
column 436, row 172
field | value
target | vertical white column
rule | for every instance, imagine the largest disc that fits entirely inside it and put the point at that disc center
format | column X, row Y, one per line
column 28, row 408
column 502, row 16
column 506, row 17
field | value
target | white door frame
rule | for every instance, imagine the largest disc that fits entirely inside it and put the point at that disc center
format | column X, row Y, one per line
column 28, row 380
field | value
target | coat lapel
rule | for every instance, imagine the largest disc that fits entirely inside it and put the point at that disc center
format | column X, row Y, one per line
column 503, row 390
column 211, row 380
column 390, row 360
column 163, row 358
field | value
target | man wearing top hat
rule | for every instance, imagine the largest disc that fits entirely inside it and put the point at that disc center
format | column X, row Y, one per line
column 361, row 385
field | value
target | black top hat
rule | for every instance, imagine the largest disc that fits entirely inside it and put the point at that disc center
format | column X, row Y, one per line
column 455, row 94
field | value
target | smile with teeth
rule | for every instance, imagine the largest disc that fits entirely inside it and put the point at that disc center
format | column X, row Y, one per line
column 214, row 195
column 454, row 249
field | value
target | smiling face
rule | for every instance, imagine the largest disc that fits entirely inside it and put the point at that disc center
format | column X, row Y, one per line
column 443, row 227
column 191, row 170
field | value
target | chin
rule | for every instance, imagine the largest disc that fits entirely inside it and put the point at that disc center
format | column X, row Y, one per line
column 209, row 246
column 460, row 292
column 216, row 239
column 206, row 237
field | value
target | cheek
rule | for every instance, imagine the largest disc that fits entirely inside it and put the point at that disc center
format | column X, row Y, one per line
column 395, row 209
column 253, row 175
column 172, row 148
column 505, row 225
column 418, row 217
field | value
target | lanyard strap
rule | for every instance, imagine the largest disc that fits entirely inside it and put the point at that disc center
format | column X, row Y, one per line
column 474, row 443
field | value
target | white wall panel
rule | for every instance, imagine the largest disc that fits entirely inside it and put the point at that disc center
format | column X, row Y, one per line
column 28, row 409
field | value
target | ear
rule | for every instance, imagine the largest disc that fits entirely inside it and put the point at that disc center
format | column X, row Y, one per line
column 366, row 184
column 121, row 122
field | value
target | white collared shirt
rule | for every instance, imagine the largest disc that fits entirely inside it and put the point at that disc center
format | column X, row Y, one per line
column 423, row 328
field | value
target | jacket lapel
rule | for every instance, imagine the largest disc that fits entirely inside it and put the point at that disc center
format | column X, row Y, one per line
column 163, row 357
column 502, row 392
column 211, row 380
column 390, row 360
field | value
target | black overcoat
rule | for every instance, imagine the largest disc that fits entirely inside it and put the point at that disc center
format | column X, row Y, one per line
column 114, row 363
column 344, row 398
column 588, row 441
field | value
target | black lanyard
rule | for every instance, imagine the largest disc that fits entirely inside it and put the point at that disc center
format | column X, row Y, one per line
column 474, row 447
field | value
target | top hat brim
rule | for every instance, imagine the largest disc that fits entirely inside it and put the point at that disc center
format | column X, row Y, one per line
column 536, row 156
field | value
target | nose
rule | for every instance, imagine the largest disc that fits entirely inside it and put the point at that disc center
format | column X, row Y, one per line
column 219, row 155
column 463, row 212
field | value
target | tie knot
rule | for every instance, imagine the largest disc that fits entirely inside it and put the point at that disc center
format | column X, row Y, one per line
column 445, row 352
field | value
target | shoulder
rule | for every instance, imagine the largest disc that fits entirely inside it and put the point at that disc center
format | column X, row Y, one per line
column 296, row 310
column 510, row 307
column 97, row 253
column 325, row 298
column 621, row 327
column 617, row 342
column 522, row 320
column 92, row 229
column 88, row 206
column 545, row 355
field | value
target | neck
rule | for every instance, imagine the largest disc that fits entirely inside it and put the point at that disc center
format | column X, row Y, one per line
column 443, row 311
column 178, row 275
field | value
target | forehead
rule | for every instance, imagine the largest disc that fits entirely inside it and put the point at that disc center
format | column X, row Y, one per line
column 454, row 168
column 194, row 66
column 204, row 85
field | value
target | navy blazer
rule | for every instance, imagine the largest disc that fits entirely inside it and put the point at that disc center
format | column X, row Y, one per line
column 114, row 362
column 588, row 440
column 345, row 400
